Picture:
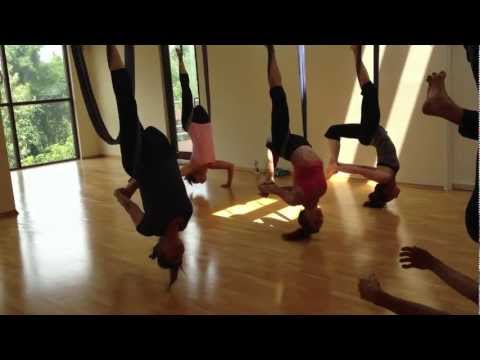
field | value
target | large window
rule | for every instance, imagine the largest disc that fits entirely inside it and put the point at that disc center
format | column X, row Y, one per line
column 174, row 94
column 36, row 105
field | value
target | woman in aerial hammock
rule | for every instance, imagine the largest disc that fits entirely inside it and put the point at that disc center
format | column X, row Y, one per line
column 309, row 179
column 151, row 162
column 368, row 132
column 196, row 122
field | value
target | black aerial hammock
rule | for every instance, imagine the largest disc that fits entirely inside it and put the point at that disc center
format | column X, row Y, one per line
column 89, row 96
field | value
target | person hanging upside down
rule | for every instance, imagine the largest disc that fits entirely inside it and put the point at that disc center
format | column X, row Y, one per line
column 151, row 162
column 438, row 103
column 368, row 132
column 309, row 179
column 196, row 121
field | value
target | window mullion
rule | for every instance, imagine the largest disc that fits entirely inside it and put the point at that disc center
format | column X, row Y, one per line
column 8, row 92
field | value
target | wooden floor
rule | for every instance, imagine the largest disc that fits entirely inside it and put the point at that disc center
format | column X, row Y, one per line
column 73, row 250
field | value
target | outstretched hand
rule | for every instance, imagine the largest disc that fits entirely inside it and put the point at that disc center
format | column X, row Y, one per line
column 415, row 257
column 369, row 288
column 265, row 188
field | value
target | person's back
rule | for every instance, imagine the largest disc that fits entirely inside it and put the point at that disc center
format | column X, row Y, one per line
column 162, row 189
column 386, row 151
column 203, row 151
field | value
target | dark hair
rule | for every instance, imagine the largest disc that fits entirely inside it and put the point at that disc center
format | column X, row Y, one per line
column 382, row 194
column 166, row 264
column 374, row 204
column 307, row 229
column 190, row 179
column 161, row 260
column 297, row 235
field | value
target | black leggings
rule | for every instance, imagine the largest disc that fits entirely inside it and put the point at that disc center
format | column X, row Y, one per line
column 470, row 130
column 472, row 57
column 282, row 142
column 200, row 115
column 369, row 123
column 140, row 148
column 131, row 129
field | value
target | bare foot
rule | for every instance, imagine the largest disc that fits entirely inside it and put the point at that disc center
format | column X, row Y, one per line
column 129, row 190
column 226, row 186
column 332, row 169
column 438, row 103
column 120, row 196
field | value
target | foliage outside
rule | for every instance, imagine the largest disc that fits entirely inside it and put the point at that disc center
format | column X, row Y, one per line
column 44, row 131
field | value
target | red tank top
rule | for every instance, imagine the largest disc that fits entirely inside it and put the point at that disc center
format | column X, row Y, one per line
column 311, row 179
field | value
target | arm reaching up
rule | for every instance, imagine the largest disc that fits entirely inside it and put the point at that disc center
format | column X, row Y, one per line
column 414, row 257
column 370, row 290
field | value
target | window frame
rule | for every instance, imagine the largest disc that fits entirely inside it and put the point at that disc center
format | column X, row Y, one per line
column 10, row 105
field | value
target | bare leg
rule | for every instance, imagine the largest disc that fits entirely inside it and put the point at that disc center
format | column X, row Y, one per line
column 332, row 168
column 114, row 60
column 362, row 73
column 274, row 75
column 438, row 103
column 371, row 291
column 272, row 161
column 371, row 173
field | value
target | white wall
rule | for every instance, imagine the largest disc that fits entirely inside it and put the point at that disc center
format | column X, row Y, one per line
column 420, row 139
column 88, row 141
column 241, row 105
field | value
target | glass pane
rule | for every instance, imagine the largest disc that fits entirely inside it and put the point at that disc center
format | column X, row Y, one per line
column 184, row 142
column 7, row 129
column 3, row 96
column 44, row 133
column 36, row 72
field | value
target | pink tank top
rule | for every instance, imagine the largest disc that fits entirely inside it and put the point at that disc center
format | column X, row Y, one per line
column 203, row 151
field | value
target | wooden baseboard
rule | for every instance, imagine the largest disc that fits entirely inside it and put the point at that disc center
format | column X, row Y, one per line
column 421, row 186
column 10, row 213
column 463, row 187
column 93, row 157
column 350, row 178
